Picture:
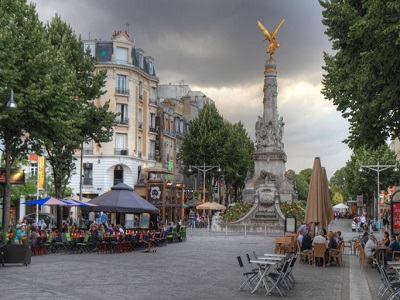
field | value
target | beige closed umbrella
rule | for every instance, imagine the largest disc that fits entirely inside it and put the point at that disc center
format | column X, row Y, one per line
column 317, row 200
column 327, row 198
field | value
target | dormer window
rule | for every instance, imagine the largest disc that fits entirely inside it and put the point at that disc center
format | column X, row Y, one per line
column 151, row 67
column 91, row 46
column 122, row 55
column 140, row 60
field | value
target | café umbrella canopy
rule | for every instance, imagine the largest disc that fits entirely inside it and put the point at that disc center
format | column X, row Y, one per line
column 340, row 207
column 51, row 201
column 211, row 206
column 122, row 199
column 319, row 209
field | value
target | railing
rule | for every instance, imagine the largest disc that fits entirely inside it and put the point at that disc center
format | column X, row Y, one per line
column 122, row 91
column 87, row 151
column 141, row 97
column 120, row 151
column 140, row 124
column 153, row 129
column 140, row 154
column 122, row 121
column 153, row 101
column 152, row 156
column 87, row 181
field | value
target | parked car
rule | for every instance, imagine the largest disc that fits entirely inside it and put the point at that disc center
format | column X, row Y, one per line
column 48, row 218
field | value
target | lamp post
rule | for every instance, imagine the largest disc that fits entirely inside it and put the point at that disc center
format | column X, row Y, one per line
column 11, row 105
column 378, row 168
column 203, row 168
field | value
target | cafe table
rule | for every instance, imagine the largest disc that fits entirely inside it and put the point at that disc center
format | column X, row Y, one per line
column 274, row 255
column 263, row 268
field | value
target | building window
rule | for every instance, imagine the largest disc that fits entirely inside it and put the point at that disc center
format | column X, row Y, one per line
column 87, row 174
column 118, row 174
column 140, row 146
column 122, row 55
column 33, row 170
column 88, row 147
column 121, row 144
column 152, row 150
column 152, row 122
column 140, row 118
column 91, row 46
column 121, row 85
column 151, row 67
column 140, row 60
column 122, row 111
column 140, row 90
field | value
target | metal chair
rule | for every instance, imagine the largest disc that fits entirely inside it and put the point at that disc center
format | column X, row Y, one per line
column 249, row 276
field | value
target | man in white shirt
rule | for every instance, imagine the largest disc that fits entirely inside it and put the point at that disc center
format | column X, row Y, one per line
column 320, row 239
column 369, row 249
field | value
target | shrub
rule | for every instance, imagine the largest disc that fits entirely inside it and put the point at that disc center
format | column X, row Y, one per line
column 296, row 209
column 239, row 210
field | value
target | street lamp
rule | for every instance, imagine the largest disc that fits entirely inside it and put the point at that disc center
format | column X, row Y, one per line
column 203, row 168
column 378, row 168
column 11, row 105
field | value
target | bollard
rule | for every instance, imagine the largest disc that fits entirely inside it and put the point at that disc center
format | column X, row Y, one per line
column 265, row 232
column 226, row 230
column 245, row 230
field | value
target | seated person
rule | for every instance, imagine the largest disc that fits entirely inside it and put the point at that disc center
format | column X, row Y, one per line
column 33, row 235
column 110, row 229
column 332, row 244
column 393, row 246
column 364, row 239
column 20, row 234
column 385, row 239
column 369, row 249
column 306, row 245
column 301, row 236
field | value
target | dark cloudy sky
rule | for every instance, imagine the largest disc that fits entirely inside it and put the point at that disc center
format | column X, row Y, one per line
column 215, row 46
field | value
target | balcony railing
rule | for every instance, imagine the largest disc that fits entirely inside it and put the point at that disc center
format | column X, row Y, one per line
column 87, row 181
column 141, row 97
column 140, row 124
column 153, row 101
column 87, row 151
column 122, row 121
column 122, row 91
column 140, row 154
column 120, row 151
column 152, row 156
column 153, row 129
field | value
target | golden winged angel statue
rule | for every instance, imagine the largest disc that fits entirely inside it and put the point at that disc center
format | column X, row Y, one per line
column 273, row 44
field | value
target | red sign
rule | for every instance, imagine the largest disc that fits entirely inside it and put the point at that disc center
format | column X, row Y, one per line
column 396, row 218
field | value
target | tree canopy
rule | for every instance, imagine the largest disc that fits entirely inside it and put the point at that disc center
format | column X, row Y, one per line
column 362, row 76
column 214, row 141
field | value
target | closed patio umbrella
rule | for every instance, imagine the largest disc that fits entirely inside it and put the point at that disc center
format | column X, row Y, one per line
column 317, row 200
column 327, row 199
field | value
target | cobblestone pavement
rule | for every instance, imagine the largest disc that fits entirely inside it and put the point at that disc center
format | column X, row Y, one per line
column 203, row 267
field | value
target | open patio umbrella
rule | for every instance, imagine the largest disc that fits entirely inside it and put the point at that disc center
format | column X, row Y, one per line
column 74, row 202
column 340, row 206
column 317, row 200
column 122, row 198
column 211, row 206
column 51, row 201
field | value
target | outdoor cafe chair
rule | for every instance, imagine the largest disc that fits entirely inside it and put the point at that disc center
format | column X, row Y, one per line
column 336, row 254
column 248, row 275
column 277, row 278
column 2, row 263
column 319, row 252
column 304, row 254
column 84, row 246
column 389, row 284
column 171, row 235
column 363, row 257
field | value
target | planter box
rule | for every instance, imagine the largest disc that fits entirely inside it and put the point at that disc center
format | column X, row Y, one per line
column 17, row 254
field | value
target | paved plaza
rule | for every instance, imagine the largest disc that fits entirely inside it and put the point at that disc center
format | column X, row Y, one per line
column 203, row 267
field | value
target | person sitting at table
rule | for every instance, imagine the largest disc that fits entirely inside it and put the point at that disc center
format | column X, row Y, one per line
column 369, row 249
column 307, row 244
column 110, row 229
column 20, row 234
column 385, row 239
column 364, row 239
column 338, row 236
column 393, row 246
column 300, row 236
column 320, row 238
column 33, row 235
column 332, row 244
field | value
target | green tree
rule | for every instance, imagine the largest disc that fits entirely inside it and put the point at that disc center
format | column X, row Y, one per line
column 336, row 195
column 362, row 75
column 365, row 182
column 24, row 63
column 213, row 141
column 303, row 180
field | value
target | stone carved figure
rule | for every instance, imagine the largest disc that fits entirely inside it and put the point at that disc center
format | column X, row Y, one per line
column 273, row 44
